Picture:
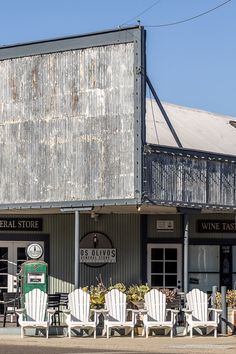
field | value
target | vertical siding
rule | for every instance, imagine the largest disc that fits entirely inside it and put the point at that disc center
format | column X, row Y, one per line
column 124, row 231
column 189, row 179
column 68, row 117
column 61, row 238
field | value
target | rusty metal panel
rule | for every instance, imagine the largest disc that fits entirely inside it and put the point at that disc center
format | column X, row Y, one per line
column 68, row 123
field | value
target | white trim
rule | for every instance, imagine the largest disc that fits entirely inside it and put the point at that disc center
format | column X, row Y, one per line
column 177, row 246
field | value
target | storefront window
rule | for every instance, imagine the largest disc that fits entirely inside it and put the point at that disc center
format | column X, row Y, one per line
column 204, row 267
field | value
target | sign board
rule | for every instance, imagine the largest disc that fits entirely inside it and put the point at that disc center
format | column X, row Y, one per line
column 216, row 226
column 21, row 224
column 98, row 255
column 96, row 250
column 165, row 225
column 71, row 112
column 34, row 251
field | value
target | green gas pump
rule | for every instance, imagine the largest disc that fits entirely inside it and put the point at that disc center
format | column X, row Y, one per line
column 34, row 272
column 34, row 275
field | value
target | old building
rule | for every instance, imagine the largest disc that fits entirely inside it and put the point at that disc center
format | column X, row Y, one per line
column 110, row 183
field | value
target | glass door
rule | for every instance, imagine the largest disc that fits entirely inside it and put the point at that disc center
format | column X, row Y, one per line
column 164, row 266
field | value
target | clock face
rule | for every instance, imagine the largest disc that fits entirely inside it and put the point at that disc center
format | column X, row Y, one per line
column 34, row 251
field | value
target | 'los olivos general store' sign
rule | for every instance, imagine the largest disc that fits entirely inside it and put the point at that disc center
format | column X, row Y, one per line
column 98, row 255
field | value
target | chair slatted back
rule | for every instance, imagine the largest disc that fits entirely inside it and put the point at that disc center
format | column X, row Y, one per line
column 36, row 305
column 155, row 304
column 115, row 303
column 197, row 302
column 79, row 304
column 63, row 299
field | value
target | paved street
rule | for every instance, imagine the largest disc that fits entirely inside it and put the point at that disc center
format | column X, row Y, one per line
column 13, row 344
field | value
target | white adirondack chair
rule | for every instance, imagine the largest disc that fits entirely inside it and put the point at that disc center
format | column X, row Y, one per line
column 78, row 314
column 116, row 314
column 35, row 313
column 198, row 314
column 156, row 313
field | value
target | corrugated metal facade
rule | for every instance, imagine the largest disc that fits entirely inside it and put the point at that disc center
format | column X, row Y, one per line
column 67, row 126
column 195, row 180
column 124, row 232
column 61, row 241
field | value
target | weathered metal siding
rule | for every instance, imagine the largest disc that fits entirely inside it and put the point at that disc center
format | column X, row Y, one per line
column 191, row 180
column 124, row 231
column 67, row 126
column 61, row 241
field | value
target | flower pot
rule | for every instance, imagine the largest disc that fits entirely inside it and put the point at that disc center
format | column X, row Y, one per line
column 138, row 330
column 231, row 320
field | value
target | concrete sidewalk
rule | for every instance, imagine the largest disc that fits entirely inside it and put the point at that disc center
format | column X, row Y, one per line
column 13, row 344
column 58, row 343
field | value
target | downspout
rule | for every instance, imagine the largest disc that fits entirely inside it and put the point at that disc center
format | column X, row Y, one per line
column 77, row 250
column 186, row 243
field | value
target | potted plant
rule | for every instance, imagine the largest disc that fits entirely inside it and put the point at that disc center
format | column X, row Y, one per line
column 135, row 295
column 135, row 299
column 171, row 298
column 119, row 286
column 97, row 295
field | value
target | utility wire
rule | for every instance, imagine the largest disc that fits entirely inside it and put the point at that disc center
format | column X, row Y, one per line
column 191, row 18
column 141, row 13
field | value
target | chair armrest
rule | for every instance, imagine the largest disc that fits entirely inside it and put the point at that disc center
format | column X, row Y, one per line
column 216, row 313
column 173, row 311
column 66, row 311
column 140, row 311
column 100, row 310
column 188, row 312
column 174, row 314
column 20, row 311
column 67, row 314
column 51, row 311
column 216, row 310
column 136, row 313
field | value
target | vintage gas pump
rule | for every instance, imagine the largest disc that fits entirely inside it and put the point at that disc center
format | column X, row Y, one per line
column 34, row 272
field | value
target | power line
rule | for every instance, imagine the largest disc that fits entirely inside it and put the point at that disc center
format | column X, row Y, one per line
column 141, row 13
column 190, row 18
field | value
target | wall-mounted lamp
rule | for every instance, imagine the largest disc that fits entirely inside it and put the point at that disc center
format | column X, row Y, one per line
column 95, row 241
column 94, row 216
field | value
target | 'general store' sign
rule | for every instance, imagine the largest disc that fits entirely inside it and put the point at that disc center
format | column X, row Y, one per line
column 21, row 224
